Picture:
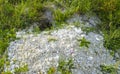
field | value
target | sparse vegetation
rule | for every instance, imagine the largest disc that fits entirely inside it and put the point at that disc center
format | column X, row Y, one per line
column 108, row 69
column 8, row 72
column 111, row 69
column 88, row 29
column 51, row 70
column 21, row 69
column 52, row 39
column 108, row 12
column 36, row 29
column 83, row 42
column 64, row 67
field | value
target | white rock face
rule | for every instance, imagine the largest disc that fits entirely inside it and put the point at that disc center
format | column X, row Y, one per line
column 40, row 53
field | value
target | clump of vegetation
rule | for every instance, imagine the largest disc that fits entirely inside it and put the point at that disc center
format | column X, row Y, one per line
column 21, row 69
column 8, row 72
column 108, row 12
column 84, row 42
column 2, row 62
column 21, row 14
column 66, row 67
column 88, row 29
column 60, row 16
column 108, row 69
column 36, row 29
column 82, row 6
column 52, row 39
column 51, row 70
column 5, row 37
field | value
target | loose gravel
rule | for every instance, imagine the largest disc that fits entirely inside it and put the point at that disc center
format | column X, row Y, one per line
column 41, row 51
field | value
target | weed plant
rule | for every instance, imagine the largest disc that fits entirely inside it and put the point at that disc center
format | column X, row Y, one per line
column 83, row 42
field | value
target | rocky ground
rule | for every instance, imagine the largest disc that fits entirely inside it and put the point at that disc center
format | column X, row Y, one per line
column 41, row 51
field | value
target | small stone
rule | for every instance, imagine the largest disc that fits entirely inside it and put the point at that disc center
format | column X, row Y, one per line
column 90, row 58
column 33, row 39
column 98, row 37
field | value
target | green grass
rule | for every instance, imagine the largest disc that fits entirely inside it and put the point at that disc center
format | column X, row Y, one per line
column 109, row 12
column 67, row 8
